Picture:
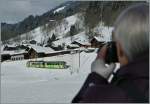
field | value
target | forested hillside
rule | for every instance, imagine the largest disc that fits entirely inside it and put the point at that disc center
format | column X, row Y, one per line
column 93, row 12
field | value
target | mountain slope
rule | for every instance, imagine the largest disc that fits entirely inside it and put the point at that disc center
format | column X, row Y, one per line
column 93, row 12
column 31, row 22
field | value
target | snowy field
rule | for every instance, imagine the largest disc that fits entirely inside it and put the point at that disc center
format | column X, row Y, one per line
column 20, row 84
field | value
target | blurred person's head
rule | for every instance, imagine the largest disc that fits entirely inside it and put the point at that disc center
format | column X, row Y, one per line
column 131, row 32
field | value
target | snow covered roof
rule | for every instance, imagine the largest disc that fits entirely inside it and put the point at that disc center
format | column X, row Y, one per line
column 41, row 49
column 99, row 39
column 11, row 45
column 82, row 42
column 80, row 38
column 73, row 45
column 67, row 41
column 14, row 52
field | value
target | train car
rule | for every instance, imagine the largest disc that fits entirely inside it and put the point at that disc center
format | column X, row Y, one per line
column 36, row 64
column 47, row 64
column 56, row 64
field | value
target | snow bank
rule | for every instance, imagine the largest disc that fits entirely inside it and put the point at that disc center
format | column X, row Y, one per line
column 20, row 84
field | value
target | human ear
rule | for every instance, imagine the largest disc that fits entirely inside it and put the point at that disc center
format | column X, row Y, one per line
column 121, row 55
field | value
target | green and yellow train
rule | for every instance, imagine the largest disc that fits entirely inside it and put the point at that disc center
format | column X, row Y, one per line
column 47, row 64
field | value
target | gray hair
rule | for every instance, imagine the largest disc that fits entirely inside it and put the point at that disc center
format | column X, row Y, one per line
column 132, row 30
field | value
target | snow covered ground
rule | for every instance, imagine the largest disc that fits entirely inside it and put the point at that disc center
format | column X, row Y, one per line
column 20, row 84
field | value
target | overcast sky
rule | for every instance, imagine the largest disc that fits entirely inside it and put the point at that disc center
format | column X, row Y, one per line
column 12, row 11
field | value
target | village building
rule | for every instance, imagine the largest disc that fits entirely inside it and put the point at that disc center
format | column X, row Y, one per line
column 30, row 52
column 39, row 51
column 12, row 55
column 19, row 56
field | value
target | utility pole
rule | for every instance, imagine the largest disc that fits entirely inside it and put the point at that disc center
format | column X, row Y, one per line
column 79, row 61
column 79, row 57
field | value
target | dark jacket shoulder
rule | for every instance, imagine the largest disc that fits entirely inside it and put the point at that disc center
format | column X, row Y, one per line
column 96, row 89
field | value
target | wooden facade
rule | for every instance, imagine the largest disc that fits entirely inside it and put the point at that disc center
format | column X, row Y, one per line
column 32, row 53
